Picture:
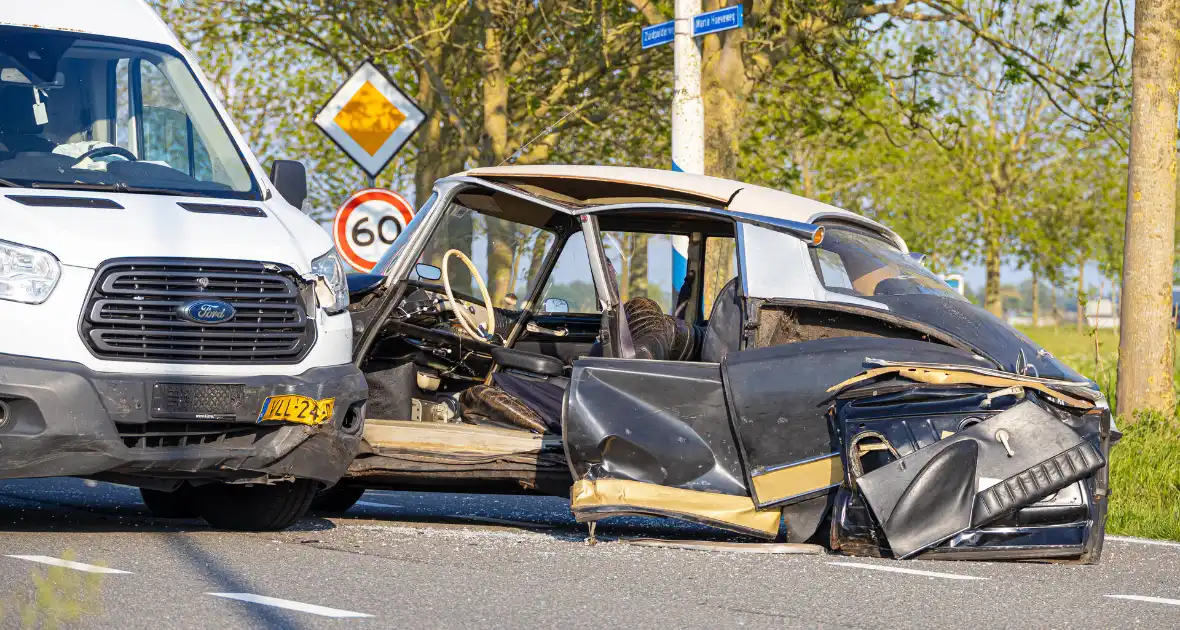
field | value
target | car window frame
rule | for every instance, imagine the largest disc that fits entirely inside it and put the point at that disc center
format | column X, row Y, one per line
column 865, row 232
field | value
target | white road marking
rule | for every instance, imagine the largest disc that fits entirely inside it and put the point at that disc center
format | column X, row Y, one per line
column 382, row 505
column 69, row 564
column 1143, row 541
column 877, row 567
column 1144, row 598
column 323, row 611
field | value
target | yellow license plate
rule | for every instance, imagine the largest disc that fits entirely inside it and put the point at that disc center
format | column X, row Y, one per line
column 297, row 409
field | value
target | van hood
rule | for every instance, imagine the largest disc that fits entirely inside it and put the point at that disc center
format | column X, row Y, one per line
column 157, row 226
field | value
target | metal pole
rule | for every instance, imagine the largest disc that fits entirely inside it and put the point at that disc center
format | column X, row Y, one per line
column 688, row 118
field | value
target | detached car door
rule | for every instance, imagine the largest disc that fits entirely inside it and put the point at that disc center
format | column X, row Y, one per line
column 653, row 438
column 741, row 443
column 725, row 444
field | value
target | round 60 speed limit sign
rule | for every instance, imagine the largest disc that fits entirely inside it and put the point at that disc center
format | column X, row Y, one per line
column 367, row 224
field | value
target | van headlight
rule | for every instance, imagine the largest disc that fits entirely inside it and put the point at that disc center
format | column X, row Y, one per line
column 27, row 274
column 329, row 268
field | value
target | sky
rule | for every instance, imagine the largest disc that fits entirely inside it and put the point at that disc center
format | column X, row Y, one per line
column 975, row 276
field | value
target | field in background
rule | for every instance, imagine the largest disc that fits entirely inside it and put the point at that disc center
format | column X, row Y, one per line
column 1145, row 466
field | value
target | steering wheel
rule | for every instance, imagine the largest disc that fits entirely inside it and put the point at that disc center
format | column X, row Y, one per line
column 470, row 326
column 111, row 150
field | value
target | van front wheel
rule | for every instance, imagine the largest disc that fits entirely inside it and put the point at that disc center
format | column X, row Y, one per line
column 255, row 507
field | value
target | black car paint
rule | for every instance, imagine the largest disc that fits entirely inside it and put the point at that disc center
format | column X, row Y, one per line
column 651, row 421
column 618, row 425
column 915, row 416
column 987, row 334
column 778, row 395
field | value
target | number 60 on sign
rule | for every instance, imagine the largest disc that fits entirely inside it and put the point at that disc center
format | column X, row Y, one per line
column 367, row 224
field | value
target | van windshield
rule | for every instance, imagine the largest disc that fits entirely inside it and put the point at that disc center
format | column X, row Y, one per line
column 85, row 112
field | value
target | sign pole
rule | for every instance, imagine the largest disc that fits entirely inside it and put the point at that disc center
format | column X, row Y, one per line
column 688, row 117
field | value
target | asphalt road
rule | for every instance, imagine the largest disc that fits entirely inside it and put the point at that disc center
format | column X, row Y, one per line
column 447, row 560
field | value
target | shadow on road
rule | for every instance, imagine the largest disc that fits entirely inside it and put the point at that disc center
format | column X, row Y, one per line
column 69, row 505
column 541, row 514
column 229, row 581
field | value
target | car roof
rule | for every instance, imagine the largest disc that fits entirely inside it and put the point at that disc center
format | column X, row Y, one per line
column 128, row 19
column 599, row 185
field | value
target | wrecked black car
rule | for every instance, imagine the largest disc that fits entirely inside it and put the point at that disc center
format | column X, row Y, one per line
column 823, row 383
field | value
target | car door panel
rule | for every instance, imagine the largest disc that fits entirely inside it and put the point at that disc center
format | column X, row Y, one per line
column 653, row 437
column 975, row 476
column 581, row 330
column 779, row 408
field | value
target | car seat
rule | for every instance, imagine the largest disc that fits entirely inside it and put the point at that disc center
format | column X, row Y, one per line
column 723, row 332
column 19, row 131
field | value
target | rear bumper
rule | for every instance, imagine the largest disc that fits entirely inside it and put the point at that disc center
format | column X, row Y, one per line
column 63, row 419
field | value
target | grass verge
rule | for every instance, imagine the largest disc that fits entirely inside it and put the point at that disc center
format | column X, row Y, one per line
column 1145, row 465
column 1145, row 479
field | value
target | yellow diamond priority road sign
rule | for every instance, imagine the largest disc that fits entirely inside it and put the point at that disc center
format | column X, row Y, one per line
column 370, row 118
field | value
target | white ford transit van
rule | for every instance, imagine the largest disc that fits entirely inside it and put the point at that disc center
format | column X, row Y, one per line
column 169, row 319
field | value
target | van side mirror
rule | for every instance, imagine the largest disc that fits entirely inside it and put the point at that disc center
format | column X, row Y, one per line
column 290, row 178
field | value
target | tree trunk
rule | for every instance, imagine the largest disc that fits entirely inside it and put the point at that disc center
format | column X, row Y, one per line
column 501, row 236
column 1146, row 336
column 1082, row 297
column 495, row 149
column 495, row 91
column 1036, row 300
column 992, row 258
column 724, row 90
column 1058, row 317
column 637, row 275
column 719, row 268
column 429, row 143
column 537, row 257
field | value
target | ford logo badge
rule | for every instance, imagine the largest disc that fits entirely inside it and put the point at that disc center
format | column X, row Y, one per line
column 207, row 311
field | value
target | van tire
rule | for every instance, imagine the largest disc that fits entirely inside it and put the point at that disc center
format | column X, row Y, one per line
column 337, row 499
column 180, row 503
column 256, row 507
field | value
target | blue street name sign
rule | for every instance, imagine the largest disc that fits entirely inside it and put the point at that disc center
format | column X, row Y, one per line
column 658, row 34
column 719, row 20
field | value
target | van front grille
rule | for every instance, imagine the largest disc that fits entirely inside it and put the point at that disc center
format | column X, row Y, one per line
column 133, row 312
column 184, row 434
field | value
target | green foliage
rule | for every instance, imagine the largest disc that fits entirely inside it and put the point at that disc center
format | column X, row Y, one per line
column 56, row 596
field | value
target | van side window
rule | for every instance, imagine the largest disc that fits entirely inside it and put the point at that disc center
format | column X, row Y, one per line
column 168, row 134
column 151, row 122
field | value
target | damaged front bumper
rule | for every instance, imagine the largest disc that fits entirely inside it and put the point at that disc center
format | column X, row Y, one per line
column 62, row 419
column 961, row 463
